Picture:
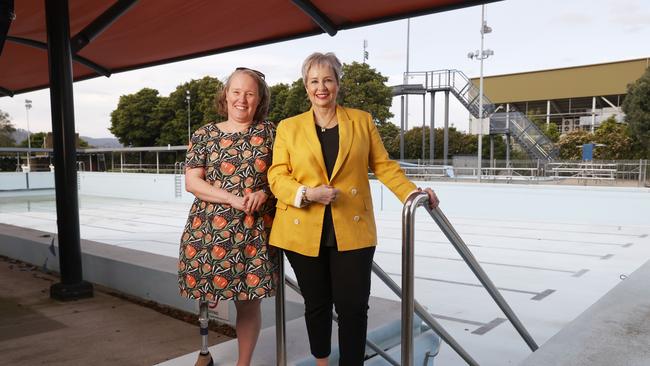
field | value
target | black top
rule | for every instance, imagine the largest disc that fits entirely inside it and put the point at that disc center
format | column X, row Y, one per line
column 329, row 142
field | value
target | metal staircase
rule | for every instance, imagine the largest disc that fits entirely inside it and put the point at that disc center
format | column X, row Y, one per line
column 514, row 123
column 526, row 133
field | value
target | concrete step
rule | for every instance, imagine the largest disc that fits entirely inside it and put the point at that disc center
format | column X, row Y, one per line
column 384, row 319
column 426, row 346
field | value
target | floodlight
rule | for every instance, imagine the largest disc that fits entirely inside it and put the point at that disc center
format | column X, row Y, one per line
column 486, row 29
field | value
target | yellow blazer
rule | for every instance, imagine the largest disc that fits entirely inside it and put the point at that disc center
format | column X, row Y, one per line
column 298, row 161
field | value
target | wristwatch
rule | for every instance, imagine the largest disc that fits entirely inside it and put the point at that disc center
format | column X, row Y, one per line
column 304, row 201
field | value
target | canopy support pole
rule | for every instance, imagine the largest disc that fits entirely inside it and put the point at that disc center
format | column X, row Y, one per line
column 72, row 285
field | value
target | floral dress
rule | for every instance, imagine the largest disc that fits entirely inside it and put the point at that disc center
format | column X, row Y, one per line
column 224, row 252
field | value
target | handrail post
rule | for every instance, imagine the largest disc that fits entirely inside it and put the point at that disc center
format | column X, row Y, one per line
column 294, row 286
column 640, row 167
column 280, row 322
column 408, row 218
column 425, row 316
column 408, row 307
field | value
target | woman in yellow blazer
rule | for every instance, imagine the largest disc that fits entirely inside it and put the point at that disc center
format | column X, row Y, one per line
column 324, row 217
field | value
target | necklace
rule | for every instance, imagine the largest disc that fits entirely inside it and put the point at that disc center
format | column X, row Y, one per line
column 323, row 128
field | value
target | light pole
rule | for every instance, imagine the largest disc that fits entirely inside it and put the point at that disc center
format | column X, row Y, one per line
column 28, row 106
column 365, row 50
column 406, row 81
column 189, row 129
column 481, row 55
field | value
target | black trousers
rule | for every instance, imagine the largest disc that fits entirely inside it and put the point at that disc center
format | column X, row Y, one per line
column 341, row 279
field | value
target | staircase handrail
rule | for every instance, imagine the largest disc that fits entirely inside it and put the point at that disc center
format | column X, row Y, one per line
column 537, row 143
column 179, row 167
column 458, row 83
column 413, row 202
column 409, row 305
column 280, row 322
column 425, row 316
column 468, row 94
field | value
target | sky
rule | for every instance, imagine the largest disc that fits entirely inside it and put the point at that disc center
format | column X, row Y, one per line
column 527, row 35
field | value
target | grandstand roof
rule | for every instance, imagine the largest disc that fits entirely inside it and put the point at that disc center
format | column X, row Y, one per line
column 601, row 79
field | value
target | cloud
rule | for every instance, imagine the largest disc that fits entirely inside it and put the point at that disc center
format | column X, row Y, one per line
column 572, row 19
column 631, row 15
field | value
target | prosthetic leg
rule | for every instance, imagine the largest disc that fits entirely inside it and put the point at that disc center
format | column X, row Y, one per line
column 205, row 359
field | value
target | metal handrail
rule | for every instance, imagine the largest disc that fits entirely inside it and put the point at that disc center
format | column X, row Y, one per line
column 468, row 94
column 415, row 200
column 280, row 315
column 179, row 167
column 425, row 316
column 409, row 305
column 280, row 324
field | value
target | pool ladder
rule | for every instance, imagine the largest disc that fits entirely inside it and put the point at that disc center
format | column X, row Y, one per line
column 409, row 305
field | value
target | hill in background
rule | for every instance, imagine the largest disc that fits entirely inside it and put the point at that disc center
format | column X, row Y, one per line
column 109, row 142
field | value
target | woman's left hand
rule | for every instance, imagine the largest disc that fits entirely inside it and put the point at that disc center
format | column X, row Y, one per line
column 254, row 201
column 433, row 199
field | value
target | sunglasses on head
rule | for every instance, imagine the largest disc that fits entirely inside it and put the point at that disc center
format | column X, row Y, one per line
column 258, row 73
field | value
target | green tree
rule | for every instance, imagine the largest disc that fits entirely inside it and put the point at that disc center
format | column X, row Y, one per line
column 83, row 143
column 459, row 144
column 172, row 111
column 6, row 129
column 637, row 110
column 364, row 88
column 413, row 143
column 297, row 101
column 617, row 140
column 570, row 144
column 133, row 121
column 613, row 140
column 390, row 137
column 36, row 140
column 551, row 130
column 279, row 94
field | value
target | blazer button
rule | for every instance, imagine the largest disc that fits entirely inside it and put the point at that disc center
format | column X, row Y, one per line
column 353, row 191
column 296, row 221
column 356, row 218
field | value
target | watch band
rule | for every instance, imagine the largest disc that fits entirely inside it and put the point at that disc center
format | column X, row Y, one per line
column 304, row 201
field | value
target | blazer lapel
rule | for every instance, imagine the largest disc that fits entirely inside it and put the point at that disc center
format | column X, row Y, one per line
column 311, row 140
column 346, row 131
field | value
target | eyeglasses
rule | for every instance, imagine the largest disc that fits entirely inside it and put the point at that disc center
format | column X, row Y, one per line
column 258, row 73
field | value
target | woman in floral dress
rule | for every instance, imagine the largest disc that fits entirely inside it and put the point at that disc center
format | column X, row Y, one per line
column 223, row 252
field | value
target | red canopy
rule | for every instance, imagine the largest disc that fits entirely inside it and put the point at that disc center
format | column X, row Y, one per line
column 113, row 36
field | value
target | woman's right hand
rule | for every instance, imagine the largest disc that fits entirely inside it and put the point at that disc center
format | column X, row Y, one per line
column 322, row 194
column 238, row 203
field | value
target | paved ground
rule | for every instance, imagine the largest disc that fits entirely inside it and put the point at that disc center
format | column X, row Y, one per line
column 103, row 330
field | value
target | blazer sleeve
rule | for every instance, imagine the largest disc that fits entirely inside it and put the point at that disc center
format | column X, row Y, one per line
column 387, row 170
column 281, row 181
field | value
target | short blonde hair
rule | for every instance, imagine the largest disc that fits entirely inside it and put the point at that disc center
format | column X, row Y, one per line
column 327, row 59
column 262, row 88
